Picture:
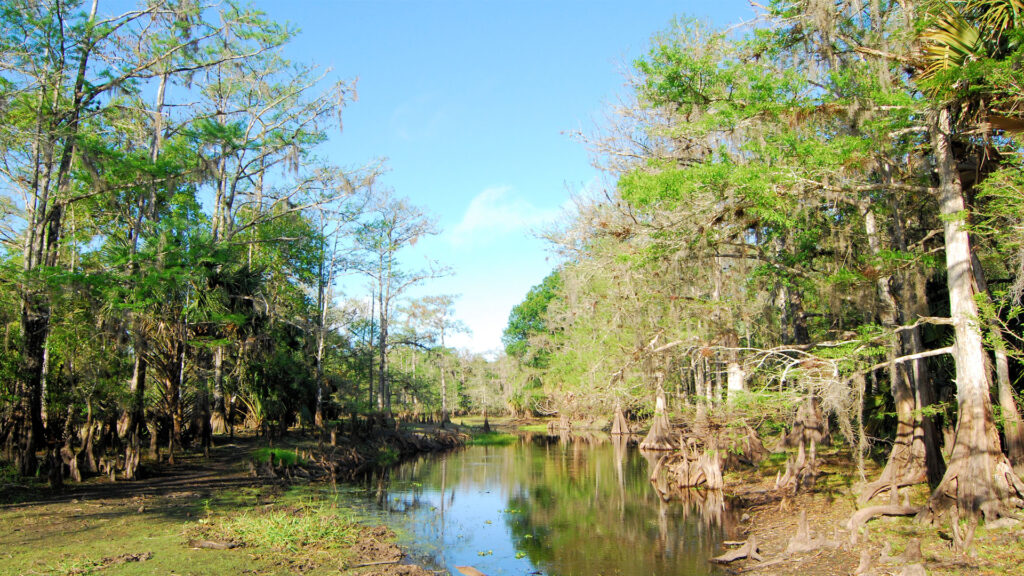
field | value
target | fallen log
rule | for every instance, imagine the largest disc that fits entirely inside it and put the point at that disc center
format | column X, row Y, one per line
column 212, row 544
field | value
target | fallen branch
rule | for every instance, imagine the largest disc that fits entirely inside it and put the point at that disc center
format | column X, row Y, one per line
column 381, row 563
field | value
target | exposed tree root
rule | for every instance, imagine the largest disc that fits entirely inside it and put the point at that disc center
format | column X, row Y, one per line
column 800, row 471
column 802, row 542
column 963, row 539
column 862, row 516
column 867, row 559
column 747, row 550
column 878, row 486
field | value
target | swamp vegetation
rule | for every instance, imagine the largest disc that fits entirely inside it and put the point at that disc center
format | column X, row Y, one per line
column 802, row 284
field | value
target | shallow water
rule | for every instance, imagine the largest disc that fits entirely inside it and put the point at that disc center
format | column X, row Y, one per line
column 544, row 505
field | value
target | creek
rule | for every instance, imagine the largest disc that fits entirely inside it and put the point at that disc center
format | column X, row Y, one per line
column 548, row 505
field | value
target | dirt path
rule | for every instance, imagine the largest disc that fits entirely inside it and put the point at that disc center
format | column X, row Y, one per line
column 223, row 469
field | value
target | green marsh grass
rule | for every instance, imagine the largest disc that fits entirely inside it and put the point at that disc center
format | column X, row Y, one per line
column 493, row 439
column 286, row 457
column 292, row 528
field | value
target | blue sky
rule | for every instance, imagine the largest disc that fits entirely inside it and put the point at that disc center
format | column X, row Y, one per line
column 470, row 102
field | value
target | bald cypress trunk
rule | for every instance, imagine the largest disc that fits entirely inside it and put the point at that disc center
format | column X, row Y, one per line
column 979, row 479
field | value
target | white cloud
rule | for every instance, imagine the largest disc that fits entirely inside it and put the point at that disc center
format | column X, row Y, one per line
column 497, row 212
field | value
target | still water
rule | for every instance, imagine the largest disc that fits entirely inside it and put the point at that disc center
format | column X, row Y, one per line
column 544, row 505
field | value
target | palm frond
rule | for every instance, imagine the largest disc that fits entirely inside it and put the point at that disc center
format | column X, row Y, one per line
column 997, row 16
column 950, row 42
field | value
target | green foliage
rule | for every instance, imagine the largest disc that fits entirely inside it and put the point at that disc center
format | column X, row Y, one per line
column 387, row 456
column 528, row 319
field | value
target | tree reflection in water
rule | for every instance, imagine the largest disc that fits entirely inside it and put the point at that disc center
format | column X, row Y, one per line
column 575, row 505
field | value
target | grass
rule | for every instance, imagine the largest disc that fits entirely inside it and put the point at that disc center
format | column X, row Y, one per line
column 280, row 455
column 285, row 528
column 534, row 428
column 493, row 439
column 86, row 537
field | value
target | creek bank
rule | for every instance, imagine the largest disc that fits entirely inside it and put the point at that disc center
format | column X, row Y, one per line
column 345, row 454
column 803, row 528
column 161, row 522
column 807, row 533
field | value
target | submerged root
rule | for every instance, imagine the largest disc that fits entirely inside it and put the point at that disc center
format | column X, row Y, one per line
column 685, row 469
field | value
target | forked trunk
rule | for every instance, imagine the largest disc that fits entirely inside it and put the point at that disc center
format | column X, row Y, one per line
column 910, row 460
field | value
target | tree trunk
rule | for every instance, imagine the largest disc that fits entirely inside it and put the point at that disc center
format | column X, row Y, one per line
column 444, row 386
column 383, row 389
column 135, row 416
column 174, row 381
column 28, row 413
column 914, row 457
column 924, row 391
column 1013, row 426
column 218, row 415
column 42, row 237
column 737, row 379
column 979, row 479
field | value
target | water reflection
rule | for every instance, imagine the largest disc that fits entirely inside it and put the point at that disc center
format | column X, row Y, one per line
column 579, row 505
